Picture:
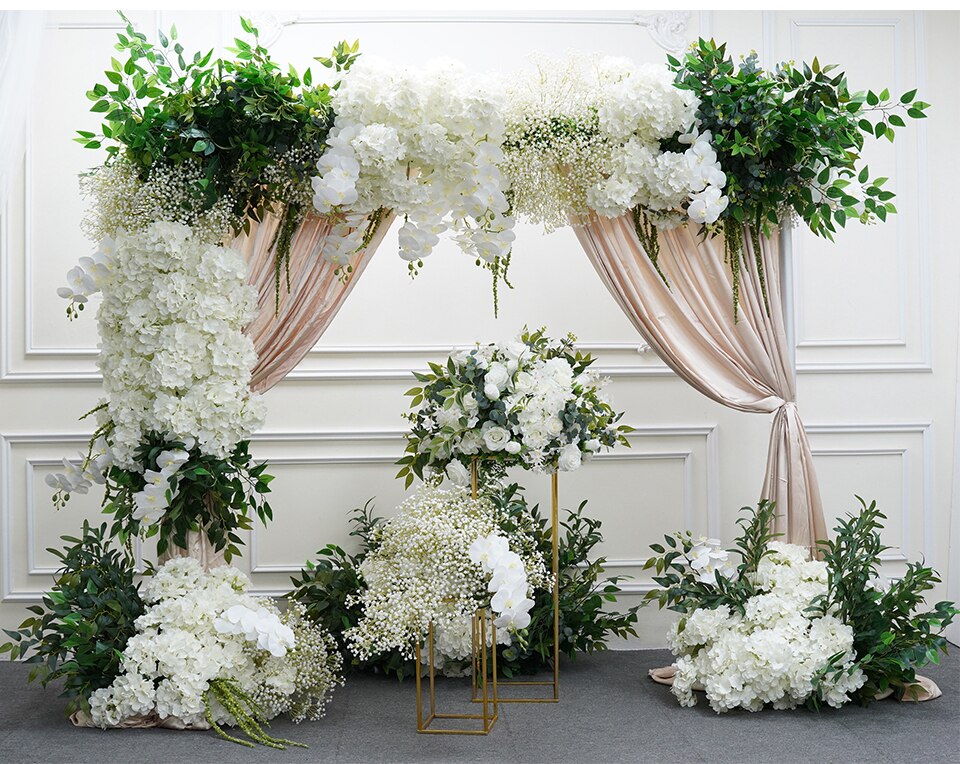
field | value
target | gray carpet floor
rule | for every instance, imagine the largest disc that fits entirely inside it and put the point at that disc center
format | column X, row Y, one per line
column 609, row 712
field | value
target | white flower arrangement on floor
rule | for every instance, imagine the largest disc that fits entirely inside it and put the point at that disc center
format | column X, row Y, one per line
column 606, row 135
column 203, row 629
column 439, row 559
column 773, row 651
column 425, row 144
column 751, row 634
column 533, row 403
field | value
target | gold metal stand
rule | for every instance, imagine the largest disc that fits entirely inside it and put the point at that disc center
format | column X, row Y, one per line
column 555, row 543
column 480, row 677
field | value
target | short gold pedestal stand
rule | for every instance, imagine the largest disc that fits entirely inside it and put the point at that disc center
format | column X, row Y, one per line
column 555, row 539
column 487, row 681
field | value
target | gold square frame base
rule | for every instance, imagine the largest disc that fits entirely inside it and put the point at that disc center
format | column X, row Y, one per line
column 483, row 722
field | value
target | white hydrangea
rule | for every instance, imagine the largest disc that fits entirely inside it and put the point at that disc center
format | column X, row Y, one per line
column 425, row 144
column 773, row 652
column 584, row 136
column 173, row 354
column 199, row 626
column 427, row 567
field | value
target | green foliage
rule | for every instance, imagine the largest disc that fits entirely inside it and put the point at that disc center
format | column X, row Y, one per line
column 681, row 590
column 892, row 634
column 78, row 633
column 254, row 129
column 790, row 140
column 326, row 588
column 219, row 496
column 584, row 590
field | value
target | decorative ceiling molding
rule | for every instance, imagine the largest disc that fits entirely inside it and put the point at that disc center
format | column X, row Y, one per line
column 669, row 29
column 271, row 25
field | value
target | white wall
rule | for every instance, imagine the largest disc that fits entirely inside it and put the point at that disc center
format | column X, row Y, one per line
column 876, row 314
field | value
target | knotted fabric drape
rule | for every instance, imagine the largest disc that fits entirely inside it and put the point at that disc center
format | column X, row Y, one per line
column 742, row 364
column 316, row 293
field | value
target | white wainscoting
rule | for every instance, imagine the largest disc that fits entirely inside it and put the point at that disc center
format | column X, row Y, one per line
column 877, row 317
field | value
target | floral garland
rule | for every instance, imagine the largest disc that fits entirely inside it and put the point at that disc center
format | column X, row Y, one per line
column 173, row 354
column 425, row 144
column 436, row 562
column 590, row 135
column 201, row 630
column 174, row 423
column 533, row 402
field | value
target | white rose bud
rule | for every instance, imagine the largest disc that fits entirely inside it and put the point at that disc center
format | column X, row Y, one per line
column 592, row 445
column 512, row 447
column 491, row 391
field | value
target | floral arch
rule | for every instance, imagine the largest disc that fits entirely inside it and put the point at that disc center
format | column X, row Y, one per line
column 240, row 203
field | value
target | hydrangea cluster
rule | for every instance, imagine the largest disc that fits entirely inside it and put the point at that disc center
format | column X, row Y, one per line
column 173, row 354
column 201, row 626
column 432, row 563
column 532, row 402
column 588, row 135
column 773, row 651
column 425, row 144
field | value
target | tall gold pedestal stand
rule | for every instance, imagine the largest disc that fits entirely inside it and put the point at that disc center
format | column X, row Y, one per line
column 555, row 541
column 488, row 681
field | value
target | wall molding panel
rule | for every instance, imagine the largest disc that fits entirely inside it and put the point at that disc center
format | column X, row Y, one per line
column 876, row 314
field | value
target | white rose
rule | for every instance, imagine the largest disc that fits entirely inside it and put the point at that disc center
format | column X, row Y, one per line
column 569, row 458
column 496, row 438
column 458, row 474
column 592, row 445
column 512, row 447
column 491, row 391
column 497, row 375
column 553, row 426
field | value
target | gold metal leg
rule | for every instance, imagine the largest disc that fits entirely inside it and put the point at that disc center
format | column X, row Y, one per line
column 555, row 567
column 491, row 713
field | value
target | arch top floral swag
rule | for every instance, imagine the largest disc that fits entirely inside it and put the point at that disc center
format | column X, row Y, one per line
column 239, row 202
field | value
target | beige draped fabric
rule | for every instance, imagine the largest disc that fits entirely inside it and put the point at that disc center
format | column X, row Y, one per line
column 283, row 338
column 198, row 547
column 742, row 364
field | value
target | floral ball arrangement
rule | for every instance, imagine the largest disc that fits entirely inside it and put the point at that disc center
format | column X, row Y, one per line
column 207, row 653
column 533, row 403
column 439, row 559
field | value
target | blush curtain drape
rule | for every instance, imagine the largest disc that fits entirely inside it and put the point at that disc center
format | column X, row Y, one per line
column 743, row 364
column 283, row 337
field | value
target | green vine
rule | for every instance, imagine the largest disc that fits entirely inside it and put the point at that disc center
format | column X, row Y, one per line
column 247, row 714
column 647, row 233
